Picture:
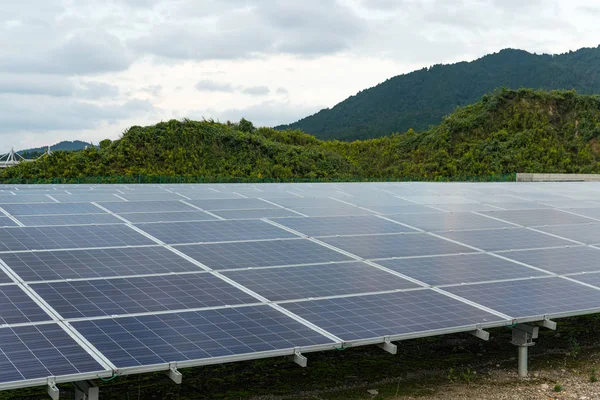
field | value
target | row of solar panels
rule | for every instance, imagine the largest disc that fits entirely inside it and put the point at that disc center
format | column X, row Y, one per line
column 81, row 301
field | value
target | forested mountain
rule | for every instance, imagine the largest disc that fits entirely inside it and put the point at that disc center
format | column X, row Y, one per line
column 66, row 145
column 420, row 99
column 504, row 132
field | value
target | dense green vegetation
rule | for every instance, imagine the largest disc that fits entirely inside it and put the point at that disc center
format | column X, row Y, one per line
column 506, row 131
column 420, row 99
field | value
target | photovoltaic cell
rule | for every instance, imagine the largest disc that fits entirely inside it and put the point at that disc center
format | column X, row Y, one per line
column 176, row 337
column 538, row 217
column 66, row 237
column 505, row 239
column 73, row 219
column 463, row 268
column 17, row 307
column 256, row 213
column 52, row 209
column 407, row 209
column 563, row 260
column 307, row 202
column 96, row 263
column 592, row 212
column 230, row 204
column 531, row 297
column 86, row 197
column 261, row 254
column 401, row 245
column 318, row 280
column 40, row 351
column 77, row 299
column 584, row 233
column 147, row 206
column 25, row 198
column 5, row 221
column 448, row 221
column 464, row 207
column 392, row 314
column 214, row 231
column 590, row 279
column 349, row 225
column 159, row 196
column 330, row 212
column 170, row 216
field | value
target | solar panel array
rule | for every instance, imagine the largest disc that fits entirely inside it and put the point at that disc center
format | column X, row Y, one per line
column 134, row 278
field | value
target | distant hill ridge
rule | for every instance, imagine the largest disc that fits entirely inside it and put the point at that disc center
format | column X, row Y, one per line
column 66, row 145
column 422, row 98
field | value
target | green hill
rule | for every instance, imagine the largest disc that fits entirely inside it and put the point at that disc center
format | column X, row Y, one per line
column 66, row 145
column 420, row 99
column 504, row 132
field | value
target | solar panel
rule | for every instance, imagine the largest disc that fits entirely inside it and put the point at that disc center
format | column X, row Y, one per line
column 73, row 219
column 590, row 279
column 230, row 204
column 256, row 213
column 169, row 216
column 592, row 212
column 176, row 337
column 67, row 237
column 538, row 217
column 96, row 263
column 448, row 221
column 40, row 351
column 399, row 245
column 307, row 202
column 17, row 307
column 563, row 260
column 86, row 197
column 214, row 231
column 446, row 199
column 505, row 239
column 346, row 225
column 330, row 212
column 5, row 221
column 291, row 283
column 52, row 209
column 159, row 196
column 584, row 233
column 77, row 299
column 407, row 209
column 464, row 207
column 523, row 205
column 208, row 195
column 463, row 268
column 25, row 198
column 531, row 297
column 391, row 314
column 147, row 206
column 261, row 254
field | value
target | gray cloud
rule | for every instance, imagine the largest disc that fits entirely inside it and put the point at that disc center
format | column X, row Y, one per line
column 282, row 91
column 97, row 90
column 256, row 91
column 36, row 85
column 42, row 113
column 214, row 86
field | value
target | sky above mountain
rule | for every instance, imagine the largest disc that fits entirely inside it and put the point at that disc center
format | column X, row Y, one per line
column 84, row 69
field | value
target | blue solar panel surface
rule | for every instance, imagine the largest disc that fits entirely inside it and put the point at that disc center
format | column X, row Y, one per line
column 89, row 270
column 261, row 254
column 41, row 351
column 365, row 317
column 156, row 339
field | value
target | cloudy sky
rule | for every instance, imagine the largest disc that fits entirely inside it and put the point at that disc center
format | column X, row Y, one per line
column 87, row 69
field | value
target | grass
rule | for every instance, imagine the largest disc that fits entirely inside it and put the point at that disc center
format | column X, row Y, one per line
column 419, row 368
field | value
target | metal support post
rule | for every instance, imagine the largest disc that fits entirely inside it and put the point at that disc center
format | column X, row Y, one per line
column 86, row 390
column 53, row 391
column 481, row 334
column 299, row 359
column 388, row 346
column 174, row 374
column 522, row 336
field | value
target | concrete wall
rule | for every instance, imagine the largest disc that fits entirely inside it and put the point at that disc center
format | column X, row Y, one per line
column 558, row 177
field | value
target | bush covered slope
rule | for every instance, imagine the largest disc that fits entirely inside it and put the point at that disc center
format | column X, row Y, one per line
column 505, row 132
column 420, row 99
